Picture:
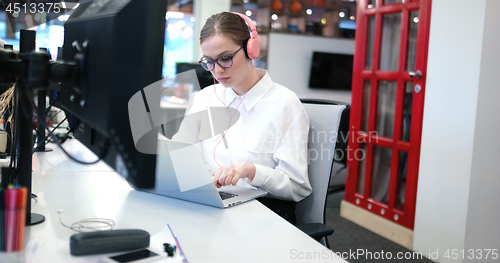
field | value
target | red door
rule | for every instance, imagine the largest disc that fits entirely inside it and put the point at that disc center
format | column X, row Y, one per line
column 387, row 107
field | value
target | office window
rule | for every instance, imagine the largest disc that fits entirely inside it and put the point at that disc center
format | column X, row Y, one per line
column 179, row 41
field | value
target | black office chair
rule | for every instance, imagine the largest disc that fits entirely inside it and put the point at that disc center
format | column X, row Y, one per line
column 340, row 157
column 324, row 117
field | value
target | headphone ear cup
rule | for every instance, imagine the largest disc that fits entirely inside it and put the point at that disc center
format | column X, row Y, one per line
column 253, row 48
column 245, row 48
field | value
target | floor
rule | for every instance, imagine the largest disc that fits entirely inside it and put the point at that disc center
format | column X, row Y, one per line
column 357, row 244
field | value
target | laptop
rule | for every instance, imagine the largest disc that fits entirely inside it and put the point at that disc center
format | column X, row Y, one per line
column 181, row 173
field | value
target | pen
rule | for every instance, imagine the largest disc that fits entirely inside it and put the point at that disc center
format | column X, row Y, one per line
column 177, row 244
column 10, row 219
column 22, row 198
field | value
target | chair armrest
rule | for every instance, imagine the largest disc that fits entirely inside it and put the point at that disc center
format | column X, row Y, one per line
column 316, row 230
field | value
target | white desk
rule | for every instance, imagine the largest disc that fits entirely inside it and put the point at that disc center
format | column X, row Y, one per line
column 245, row 233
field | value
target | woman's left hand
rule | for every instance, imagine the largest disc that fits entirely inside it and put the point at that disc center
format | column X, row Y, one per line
column 229, row 174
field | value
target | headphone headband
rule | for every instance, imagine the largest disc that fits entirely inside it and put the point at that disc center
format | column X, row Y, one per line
column 250, row 24
column 253, row 46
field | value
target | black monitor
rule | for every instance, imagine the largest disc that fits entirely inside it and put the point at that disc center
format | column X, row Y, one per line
column 331, row 71
column 204, row 77
column 118, row 46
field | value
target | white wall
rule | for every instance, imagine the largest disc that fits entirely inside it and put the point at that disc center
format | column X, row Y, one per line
column 483, row 213
column 202, row 11
column 458, row 199
column 289, row 62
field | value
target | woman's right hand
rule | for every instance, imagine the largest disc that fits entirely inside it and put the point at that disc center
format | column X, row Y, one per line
column 230, row 174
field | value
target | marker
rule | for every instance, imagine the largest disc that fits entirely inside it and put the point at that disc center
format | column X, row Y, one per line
column 177, row 244
column 2, row 215
column 10, row 219
column 22, row 198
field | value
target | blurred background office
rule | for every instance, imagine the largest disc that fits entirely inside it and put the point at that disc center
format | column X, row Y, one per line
column 455, row 163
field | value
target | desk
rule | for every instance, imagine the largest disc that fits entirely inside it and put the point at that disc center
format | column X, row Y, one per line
column 245, row 233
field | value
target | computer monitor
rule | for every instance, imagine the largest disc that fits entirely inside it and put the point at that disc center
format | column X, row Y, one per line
column 331, row 71
column 118, row 46
column 204, row 77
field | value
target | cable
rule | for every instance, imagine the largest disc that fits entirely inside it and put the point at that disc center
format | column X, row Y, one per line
column 50, row 134
column 46, row 137
column 34, row 197
column 99, row 157
column 51, row 118
column 49, row 107
column 104, row 149
column 89, row 224
column 13, row 148
column 55, row 115
column 230, row 115
column 47, row 110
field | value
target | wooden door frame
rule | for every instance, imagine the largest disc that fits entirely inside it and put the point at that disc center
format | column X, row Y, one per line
column 388, row 211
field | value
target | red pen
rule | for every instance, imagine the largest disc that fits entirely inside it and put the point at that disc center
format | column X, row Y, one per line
column 10, row 219
column 22, row 197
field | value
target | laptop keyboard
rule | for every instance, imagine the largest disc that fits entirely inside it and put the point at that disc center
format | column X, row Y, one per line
column 224, row 195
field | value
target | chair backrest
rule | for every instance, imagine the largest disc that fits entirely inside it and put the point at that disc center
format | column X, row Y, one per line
column 324, row 119
column 343, row 137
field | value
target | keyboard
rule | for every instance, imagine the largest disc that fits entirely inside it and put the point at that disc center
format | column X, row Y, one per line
column 224, row 195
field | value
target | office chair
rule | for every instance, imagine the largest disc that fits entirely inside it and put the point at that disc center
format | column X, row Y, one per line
column 340, row 156
column 324, row 119
column 341, row 148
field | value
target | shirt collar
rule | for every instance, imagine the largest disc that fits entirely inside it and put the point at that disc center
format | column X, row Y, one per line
column 254, row 94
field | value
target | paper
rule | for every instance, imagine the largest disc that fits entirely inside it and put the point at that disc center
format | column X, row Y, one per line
column 166, row 236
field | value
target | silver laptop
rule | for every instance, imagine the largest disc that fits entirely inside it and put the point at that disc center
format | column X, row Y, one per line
column 181, row 173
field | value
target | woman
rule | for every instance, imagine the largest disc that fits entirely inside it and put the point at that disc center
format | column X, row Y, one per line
column 267, row 146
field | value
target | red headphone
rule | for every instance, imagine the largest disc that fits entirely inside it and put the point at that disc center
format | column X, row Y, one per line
column 253, row 45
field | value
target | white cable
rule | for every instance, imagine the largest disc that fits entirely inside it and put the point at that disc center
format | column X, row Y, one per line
column 89, row 224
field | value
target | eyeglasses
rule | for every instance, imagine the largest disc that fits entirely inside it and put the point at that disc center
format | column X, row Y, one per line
column 225, row 61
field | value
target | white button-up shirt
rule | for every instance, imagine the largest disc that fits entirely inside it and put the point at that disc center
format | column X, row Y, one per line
column 270, row 131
